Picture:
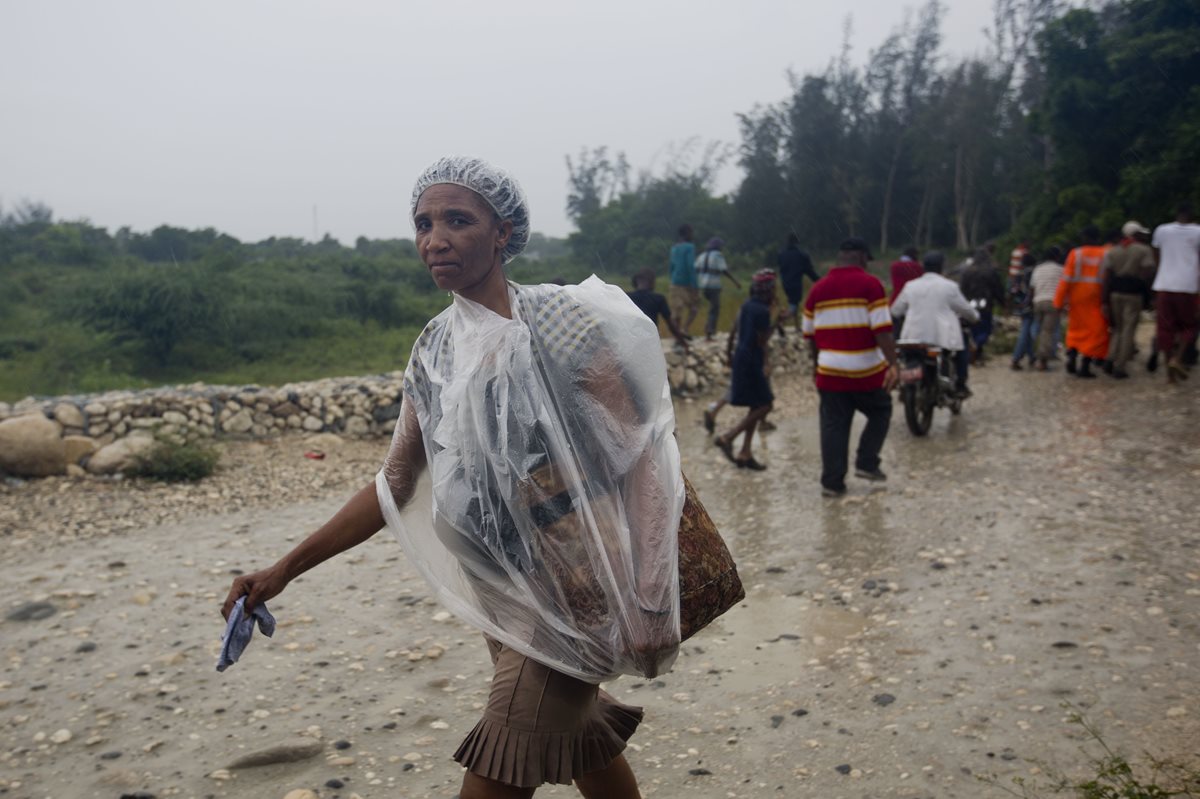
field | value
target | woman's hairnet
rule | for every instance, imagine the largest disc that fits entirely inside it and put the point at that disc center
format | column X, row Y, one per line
column 499, row 189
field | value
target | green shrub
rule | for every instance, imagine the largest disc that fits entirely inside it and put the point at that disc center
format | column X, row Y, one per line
column 176, row 462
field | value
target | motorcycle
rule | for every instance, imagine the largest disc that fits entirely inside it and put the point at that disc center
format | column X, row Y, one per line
column 927, row 383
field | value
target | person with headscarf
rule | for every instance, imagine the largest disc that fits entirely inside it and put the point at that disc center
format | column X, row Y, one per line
column 710, row 269
column 533, row 480
column 750, row 386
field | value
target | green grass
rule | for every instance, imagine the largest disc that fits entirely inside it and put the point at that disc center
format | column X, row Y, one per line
column 71, row 360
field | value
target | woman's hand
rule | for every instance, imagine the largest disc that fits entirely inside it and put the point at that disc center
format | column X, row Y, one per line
column 358, row 520
column 257, row 587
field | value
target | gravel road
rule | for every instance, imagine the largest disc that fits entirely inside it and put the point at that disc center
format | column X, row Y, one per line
column 1039, row 551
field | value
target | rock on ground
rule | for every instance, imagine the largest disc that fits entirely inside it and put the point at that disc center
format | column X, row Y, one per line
column 31, row 446
column 120, row 455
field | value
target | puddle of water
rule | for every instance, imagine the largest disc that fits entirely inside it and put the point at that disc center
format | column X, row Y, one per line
column 769, row 637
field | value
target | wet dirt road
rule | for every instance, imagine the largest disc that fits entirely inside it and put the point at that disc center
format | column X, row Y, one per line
column 1040, row 549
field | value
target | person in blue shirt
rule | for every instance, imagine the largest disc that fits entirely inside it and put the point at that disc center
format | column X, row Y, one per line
column 684, row 296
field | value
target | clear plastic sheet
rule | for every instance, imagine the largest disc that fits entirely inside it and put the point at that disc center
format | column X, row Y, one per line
column 548, row 514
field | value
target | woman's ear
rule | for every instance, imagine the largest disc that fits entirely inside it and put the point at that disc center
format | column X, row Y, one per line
column 503, row 234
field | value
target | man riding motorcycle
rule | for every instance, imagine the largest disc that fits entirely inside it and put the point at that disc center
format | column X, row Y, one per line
column 932, row 306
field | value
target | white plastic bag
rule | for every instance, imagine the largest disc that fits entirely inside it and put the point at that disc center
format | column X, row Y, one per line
column 548, row 512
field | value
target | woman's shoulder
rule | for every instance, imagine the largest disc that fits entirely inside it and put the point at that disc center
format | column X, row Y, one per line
column 433, row 327
column 562, row 317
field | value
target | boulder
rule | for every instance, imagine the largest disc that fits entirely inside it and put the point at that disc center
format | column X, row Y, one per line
column 175, row 417
column 357, row 426
column 121, row 454
column 285, row 409
column 69, row 415
column 240, row 422
column 76, row 448
column 31, row 446
column 323, row 442
column 285, row 752
column 386, row 413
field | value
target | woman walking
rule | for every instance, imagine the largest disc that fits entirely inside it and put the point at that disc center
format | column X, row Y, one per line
column 749, row 385
column 539, row 434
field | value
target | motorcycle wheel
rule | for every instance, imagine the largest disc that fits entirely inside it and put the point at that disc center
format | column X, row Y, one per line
column 918, row 411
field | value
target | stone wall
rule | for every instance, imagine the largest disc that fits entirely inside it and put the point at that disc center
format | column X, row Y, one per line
column 103, row 431
column 703, row 370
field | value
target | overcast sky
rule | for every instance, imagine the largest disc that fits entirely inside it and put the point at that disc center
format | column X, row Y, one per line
column 244, row 115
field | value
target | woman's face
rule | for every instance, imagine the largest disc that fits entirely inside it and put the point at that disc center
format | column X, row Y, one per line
column 459, row 237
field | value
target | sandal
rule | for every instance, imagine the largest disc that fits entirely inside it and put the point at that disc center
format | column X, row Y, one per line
column 710, row 422
column 752, row 464
column 1176, row 371
column 727, row 448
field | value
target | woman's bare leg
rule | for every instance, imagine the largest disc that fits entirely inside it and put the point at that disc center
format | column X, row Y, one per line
column 752, row 418
column 751, row 421
column 614, row 782
column 476, row 787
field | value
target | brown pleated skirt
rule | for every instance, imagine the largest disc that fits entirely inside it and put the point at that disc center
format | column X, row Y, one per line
column 543, row 726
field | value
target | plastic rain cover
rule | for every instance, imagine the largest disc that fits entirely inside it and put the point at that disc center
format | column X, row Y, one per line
column 548, row 513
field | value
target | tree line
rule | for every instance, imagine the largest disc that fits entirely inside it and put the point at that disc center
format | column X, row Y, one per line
column 85, row 310
column 1071, row 116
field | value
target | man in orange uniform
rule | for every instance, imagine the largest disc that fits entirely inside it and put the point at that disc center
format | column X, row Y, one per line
column 1081, row 292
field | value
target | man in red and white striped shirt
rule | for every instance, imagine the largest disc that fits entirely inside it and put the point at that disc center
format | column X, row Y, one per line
column 849, row 328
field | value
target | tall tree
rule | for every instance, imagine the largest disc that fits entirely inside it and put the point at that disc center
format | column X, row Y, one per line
column 900, row 77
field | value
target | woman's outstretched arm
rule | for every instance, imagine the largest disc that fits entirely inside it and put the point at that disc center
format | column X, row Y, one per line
column 359, row 519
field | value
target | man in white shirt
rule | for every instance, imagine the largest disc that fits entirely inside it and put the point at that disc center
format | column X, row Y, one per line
column 1177, row 285
column 931, row 306
column 710, row 268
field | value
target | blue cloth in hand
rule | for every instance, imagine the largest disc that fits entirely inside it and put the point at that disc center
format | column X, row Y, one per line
column 239, row 628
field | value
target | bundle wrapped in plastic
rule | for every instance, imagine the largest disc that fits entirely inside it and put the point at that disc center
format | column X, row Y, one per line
column 548, row 511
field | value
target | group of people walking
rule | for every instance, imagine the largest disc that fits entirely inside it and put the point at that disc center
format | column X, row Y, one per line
column 1102, row 288
column 855, row 327
column 694, row 276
